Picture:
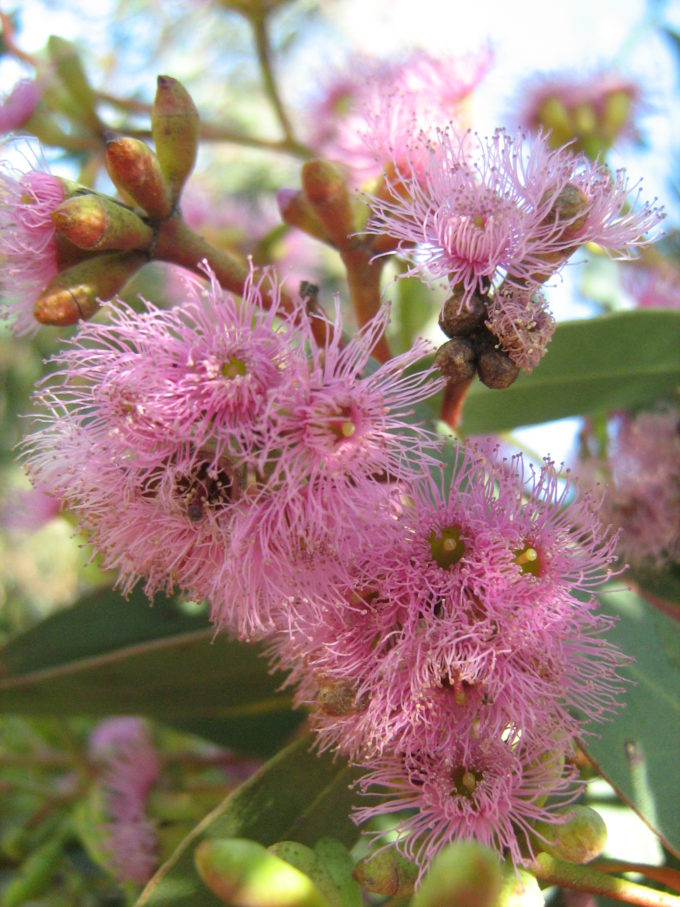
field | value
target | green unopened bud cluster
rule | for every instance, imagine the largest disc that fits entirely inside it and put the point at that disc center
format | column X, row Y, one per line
column 244, row 873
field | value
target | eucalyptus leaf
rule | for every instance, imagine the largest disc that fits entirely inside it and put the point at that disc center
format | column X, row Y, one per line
column 638, row 751
column 108, row 656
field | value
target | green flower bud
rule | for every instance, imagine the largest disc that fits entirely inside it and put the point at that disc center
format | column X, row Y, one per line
column 245, row 874
column 580, row 839
column 96, row 223
column 174, row 127
column 520, row 889
column 73, row 294
column 465, row 874
column 387, row 873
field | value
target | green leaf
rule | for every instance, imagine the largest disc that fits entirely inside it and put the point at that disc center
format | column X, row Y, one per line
column 108, row 656
column 414, row 306
column 615, row 361
column 638, row 751
column 296, row 796
column 660, row 587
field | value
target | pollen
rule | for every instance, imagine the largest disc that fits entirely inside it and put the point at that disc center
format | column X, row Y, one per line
column 447, row 547
column 528, row 560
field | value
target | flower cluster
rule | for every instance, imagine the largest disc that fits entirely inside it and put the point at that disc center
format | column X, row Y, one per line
column 369, row 115
column 130, row 769
column 219, row 448
column 438, row 621
column 466, row 655
column 642, row 486
column 494, row 218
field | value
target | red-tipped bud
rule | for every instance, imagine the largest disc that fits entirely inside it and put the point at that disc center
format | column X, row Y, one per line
column 387, row 873
column 73, row 294
column 96, row 223
column 297, row 211
column 245, row 874
column 66, row 61
column 580, row 839
column 326, row 191
column 174, row 126
column 135, row 170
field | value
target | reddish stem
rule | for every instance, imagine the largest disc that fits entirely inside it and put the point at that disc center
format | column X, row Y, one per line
column 177, row 243
column 452, row 403
column 363, row 277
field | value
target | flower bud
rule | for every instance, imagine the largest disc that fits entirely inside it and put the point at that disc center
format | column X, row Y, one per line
column 494, row 367
column 571, row 208
column 554, row 117
column 465, row 874
column 617, row 111
column 318, row 863
column 456, row 319
column 64, row 57
column 297, row 211
column 134, row 169
column 174, row 127
column 388, row 873
column 580, row 839
column 456, row 360
column 97, row 223
column 245, row 874
column 520, row 889
column 326, row 190
column 73, row 294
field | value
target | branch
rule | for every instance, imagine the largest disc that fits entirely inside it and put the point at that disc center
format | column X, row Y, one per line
column 259, row 25
column 585, row 878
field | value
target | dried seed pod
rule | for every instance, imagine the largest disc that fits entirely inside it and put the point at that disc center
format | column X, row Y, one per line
column 456, row 360
column 494, row 367
column 456, row 319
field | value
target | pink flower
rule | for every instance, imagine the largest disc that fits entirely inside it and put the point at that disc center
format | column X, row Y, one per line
column 522, row 323
column 19, row 105
column 373, row 111
column 654, row 285
column 469, row 617
column 216, row 447
column 131, row 768
column 488, row 790
column 341, row 445
column 642, row 490
column 28, row 510
column 27, row 243
column 346, row 426
column 492, row 210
